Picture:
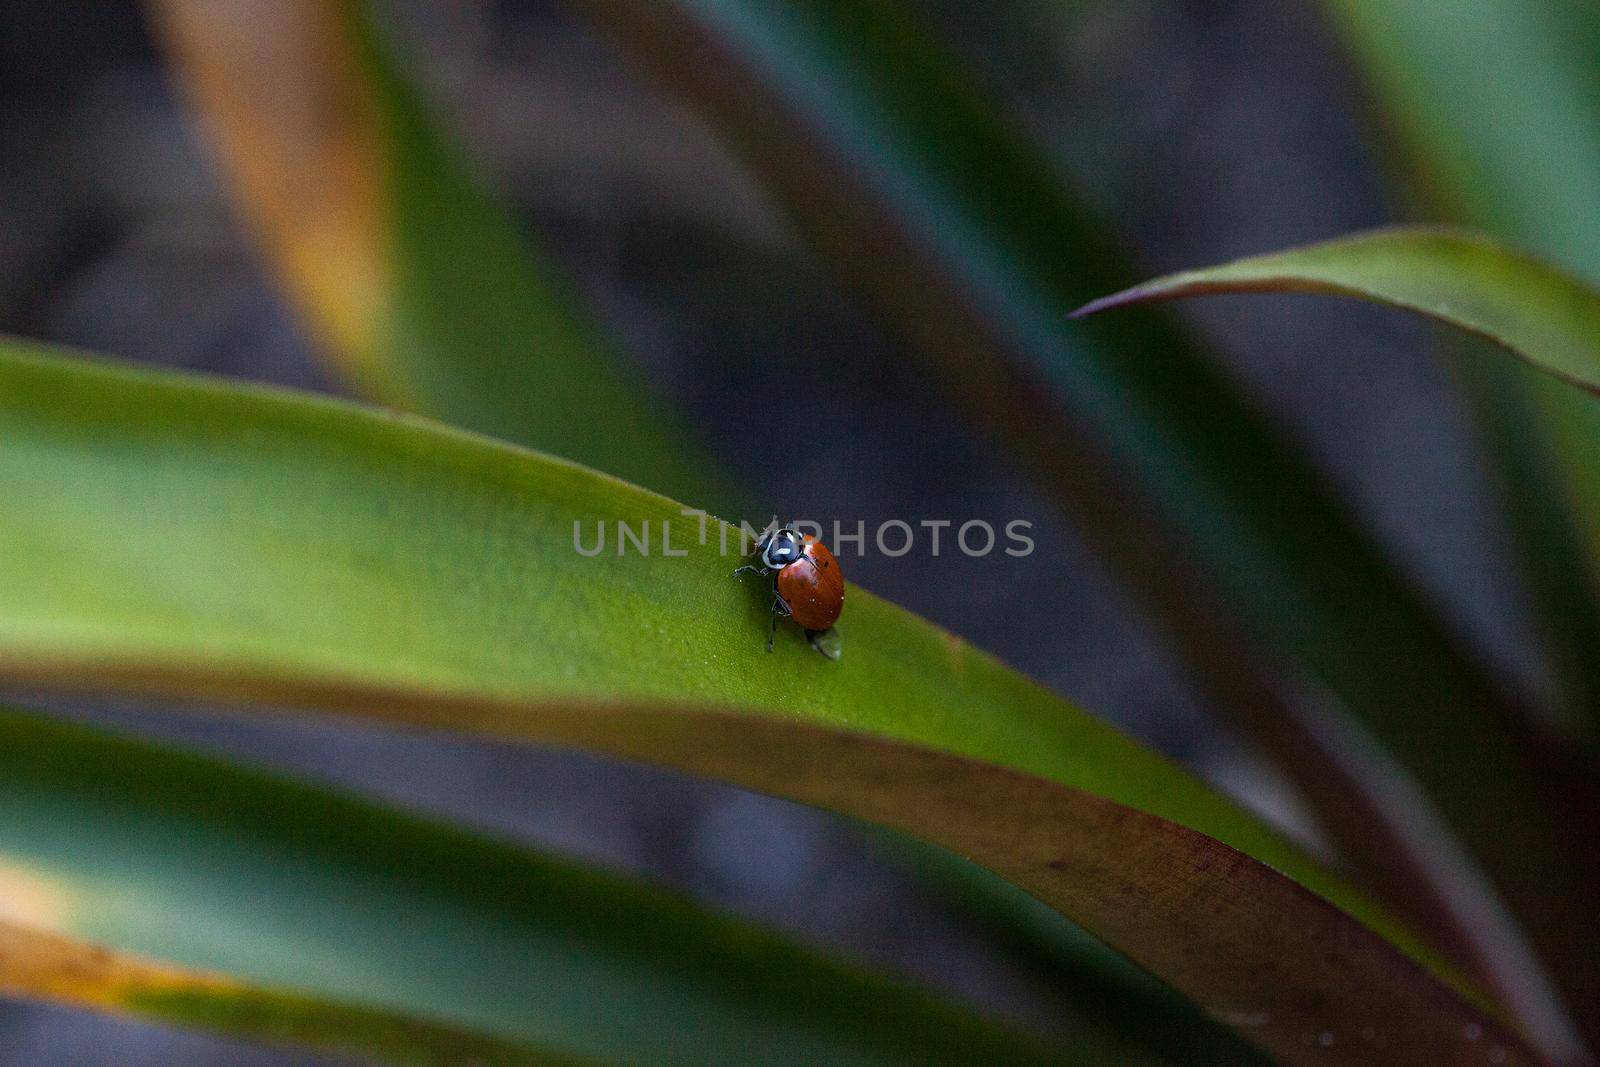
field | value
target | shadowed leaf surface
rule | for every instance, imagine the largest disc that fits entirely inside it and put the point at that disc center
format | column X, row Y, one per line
column 184, row 858
column 194, row 538
column 415, row 277
column 39, row 965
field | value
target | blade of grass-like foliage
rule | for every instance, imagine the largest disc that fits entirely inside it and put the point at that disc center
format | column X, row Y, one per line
column 414, row 276
column 912, row 180
column 323, row 83
column 482, row 945
column 194, row 538
column 326, row 84
column 1496, row 106
column 1547, row 317
column 1250, row 945
column 39, row 965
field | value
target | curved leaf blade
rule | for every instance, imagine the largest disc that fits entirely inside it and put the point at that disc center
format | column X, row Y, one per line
column 39, row 965
column 482, row 945
column 1200, row 914
column 1530, row 308
column 1543, row 315
column 898, row 167
column 174, row 527
column 351, row 62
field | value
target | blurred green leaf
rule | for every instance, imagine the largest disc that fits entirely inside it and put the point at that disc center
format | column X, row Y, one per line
column 1495, row 108
column 185, row 858
column 199, row 539
column 911, row 179
column 1533, row 310
column 1495, row 104
column 36, row 964
column 414, row 276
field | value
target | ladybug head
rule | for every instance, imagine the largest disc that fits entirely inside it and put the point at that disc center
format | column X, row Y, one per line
column 780, row 548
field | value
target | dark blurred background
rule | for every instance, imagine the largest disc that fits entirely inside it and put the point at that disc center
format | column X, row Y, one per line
column 1204, row 129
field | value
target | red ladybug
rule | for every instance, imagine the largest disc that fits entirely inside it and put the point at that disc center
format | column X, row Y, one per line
column 808, row 586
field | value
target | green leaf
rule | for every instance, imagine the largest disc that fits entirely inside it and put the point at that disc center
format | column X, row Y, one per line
column 1497, row 109
column 415, row 278
column 918, row 187
column 197, row 539
column 1495, row 106
column 1497, row 102
column 484, row 945
column 457, row 318
column 39, row 965
column 1547, row 317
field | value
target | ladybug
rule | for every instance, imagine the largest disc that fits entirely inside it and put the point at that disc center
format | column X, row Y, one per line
column 806, row 586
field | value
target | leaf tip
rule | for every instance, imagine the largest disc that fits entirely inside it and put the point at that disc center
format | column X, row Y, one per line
column 1106, row 303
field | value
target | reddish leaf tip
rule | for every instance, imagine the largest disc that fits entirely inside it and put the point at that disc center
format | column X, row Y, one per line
column 1105, row 303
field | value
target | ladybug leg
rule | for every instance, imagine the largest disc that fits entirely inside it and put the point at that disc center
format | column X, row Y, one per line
column 752, row 568
column 780, row 608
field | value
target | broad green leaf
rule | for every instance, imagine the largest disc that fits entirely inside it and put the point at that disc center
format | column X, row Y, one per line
column 481, row 944
column 414, row 277
column 471, row 318
column 1547, row 317
column 192, row 538
column 913, row 181
column 39, row 965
